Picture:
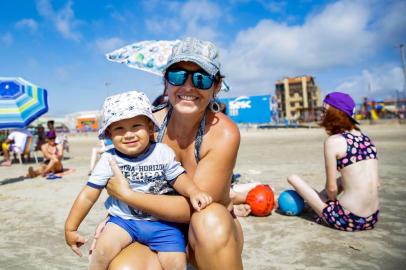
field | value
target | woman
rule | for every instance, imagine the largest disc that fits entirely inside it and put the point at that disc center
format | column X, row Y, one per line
column 206, row 142
column 354, row 155
column 53, row 155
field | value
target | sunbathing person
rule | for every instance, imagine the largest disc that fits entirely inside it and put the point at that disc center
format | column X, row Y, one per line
column 53, row 155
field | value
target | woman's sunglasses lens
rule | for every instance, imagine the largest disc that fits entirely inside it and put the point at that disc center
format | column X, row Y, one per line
column 176, row 78
column 202, row 81
column 179, row 77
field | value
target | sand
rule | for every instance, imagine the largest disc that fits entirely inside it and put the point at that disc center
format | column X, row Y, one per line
column 33, row 212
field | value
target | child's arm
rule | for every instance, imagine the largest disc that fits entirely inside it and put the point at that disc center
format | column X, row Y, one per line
column 81, row 207
column 186, row 187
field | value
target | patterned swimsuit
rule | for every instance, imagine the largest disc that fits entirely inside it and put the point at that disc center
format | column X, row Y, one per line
column 358, row 148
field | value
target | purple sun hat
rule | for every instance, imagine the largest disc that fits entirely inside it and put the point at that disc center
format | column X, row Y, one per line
column 342, row 102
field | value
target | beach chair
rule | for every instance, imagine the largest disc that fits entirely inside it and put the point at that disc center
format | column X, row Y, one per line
column 29, row 149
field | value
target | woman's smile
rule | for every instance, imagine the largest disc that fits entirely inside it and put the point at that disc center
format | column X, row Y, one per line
column 187, row 97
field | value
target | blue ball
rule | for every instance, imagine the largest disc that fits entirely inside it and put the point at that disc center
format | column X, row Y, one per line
column 290, row 203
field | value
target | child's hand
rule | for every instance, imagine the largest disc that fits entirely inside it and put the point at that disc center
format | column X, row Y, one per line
column 200, row 200
column 75, row 241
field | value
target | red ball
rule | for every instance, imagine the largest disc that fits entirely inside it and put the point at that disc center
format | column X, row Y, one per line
column 261, row 200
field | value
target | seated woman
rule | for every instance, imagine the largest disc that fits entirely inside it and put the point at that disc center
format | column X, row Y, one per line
column 206, row 143
column 349, row 203
column 53, row 155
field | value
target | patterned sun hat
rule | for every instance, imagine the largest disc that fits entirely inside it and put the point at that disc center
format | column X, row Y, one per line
column 203, row 53
column 124, row 106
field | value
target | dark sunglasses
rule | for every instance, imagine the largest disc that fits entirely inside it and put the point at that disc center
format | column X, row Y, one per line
column 200, row 79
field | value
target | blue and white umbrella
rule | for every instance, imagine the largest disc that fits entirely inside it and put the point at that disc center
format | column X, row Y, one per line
column 21, row 102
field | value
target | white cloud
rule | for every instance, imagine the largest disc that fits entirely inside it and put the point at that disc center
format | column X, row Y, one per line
column 345, row 34
column 29, row 24
column 196, row 18
column 109, row 44
column 7, row 39
column 64, row 20
column 380, row 82
column 274, row 6
column 391, row 23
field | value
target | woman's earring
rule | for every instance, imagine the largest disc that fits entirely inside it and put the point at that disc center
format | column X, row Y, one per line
column 215, row 105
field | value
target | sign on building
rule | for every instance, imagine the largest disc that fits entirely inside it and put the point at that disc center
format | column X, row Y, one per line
column 249, row 109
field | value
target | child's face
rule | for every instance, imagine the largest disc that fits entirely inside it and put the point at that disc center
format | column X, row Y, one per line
column 131, row 136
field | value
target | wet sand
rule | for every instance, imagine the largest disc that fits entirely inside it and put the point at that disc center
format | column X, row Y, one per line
column 33, row 212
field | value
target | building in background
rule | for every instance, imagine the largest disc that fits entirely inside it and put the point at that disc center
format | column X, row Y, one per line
column 298, row 98
column 84, row 121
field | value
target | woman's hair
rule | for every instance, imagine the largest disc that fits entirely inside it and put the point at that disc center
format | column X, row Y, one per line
column 336, row 121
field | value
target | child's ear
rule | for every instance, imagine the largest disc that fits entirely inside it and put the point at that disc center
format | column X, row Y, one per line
column 151, row 127
column 108, row 135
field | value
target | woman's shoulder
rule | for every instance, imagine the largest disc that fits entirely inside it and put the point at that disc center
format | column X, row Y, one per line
column 221, row 128
column 335, row 141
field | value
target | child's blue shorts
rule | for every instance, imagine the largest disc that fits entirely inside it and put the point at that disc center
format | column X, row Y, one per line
column 158, row 235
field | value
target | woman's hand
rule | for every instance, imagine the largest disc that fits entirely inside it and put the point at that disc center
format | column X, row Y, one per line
column 117, row 186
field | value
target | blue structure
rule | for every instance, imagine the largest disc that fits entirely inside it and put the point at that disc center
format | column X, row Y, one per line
column 249, row 109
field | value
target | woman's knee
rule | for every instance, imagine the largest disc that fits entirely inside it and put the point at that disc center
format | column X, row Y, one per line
column 173, row 261
column 294, row 179
column 213, row 226
column 134, row 257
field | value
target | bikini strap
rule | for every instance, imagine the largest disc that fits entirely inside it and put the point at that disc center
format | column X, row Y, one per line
column 199, row 138
column 162, row 128
column 159, row 107
column 199, row 135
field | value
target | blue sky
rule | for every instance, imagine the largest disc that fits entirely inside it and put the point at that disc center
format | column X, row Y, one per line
column 60, row 45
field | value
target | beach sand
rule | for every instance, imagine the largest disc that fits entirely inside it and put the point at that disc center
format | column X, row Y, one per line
column 33, row 211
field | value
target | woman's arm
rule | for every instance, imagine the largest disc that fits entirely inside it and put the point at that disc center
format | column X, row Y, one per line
column 332, row 146
column 45, row 153
column 59, row 152
column 212, row 175
column 214, row 171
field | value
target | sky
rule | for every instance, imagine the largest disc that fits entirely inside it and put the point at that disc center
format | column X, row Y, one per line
column 347, row 46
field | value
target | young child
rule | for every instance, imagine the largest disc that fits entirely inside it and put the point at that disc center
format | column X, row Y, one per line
column 349, row 203
column 149, row 167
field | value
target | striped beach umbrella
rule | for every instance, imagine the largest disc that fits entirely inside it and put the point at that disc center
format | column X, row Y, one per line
column 21, row 102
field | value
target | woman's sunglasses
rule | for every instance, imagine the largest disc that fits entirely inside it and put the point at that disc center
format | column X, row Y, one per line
column 200, row 79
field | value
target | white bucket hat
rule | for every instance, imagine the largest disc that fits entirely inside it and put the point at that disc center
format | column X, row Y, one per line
column 124, row 106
